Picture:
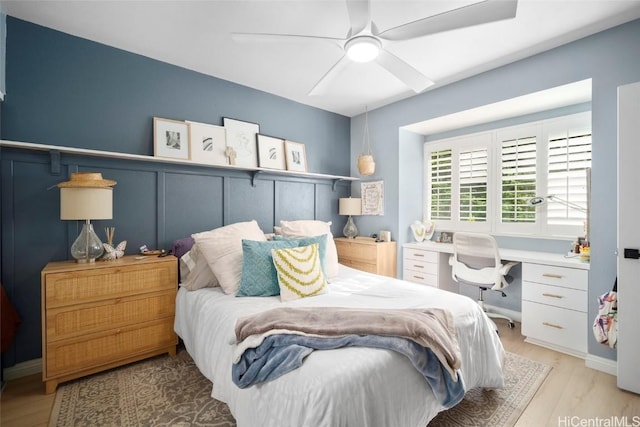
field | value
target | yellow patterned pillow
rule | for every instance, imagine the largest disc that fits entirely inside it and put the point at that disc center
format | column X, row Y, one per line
column 299, row 272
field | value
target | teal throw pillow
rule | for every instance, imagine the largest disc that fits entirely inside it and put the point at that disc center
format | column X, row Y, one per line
column 259, row 276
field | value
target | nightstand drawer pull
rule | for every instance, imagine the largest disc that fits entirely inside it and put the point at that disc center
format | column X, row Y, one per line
column 552, row 295
column 552, row 325
column 553, row 276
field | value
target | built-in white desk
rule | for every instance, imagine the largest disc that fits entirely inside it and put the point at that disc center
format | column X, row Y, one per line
column 554, row 291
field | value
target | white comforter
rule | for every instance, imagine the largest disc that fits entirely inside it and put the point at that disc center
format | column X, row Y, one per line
column 343, row 387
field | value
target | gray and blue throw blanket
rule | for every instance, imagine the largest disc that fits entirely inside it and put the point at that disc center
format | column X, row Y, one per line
column 281, row 338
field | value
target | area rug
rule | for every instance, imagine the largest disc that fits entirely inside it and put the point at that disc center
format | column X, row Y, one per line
column 166, row 391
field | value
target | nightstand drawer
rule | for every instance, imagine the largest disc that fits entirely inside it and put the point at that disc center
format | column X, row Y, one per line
column 74, row 287
column 556, row 276
column 558, row 326
column 64, row 357
column 358, row 252
column 557, row 296
column 420, row 277
column 69, row 321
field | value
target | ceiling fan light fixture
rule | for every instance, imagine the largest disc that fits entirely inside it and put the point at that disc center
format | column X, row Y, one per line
column 363, row 48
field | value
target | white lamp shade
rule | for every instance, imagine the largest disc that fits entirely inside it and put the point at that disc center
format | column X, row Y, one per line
column 350, row 206
column 86, row 203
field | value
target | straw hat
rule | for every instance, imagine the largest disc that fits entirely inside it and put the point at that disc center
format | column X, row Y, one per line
column 87, row 180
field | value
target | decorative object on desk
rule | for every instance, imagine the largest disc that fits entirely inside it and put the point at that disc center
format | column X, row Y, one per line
column 241, row 136
column 372, row 194
column 170, row 138
column 585, row 253
column 207, row 143
column 86, row 196
column 296, row 156
column 350, row 206
column 271, row 152
column 446, row 237
column 422, row 230
column 366, row 164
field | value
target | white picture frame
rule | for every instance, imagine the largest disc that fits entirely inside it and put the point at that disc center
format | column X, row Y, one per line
column 207, row 143
column 242, row 137
column 372, row 195
column 170, row 138
column 271, row 152
column 296, row 156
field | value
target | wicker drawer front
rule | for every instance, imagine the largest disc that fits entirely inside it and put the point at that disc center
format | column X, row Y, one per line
column 557, row 296
column 68, row 321
column 357, row 252
column 369, row 268
column 76, row 287
column 65, row 357
column 556, row 276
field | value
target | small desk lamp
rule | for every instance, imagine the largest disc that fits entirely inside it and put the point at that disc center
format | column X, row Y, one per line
column 85, row 197
column 350, row 207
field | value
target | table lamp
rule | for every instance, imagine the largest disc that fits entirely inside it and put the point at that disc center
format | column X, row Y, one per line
column 86, row 196
column 350, row 206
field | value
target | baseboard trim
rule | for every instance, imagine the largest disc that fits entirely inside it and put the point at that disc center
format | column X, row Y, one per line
column 22, row 369
column 598, row 363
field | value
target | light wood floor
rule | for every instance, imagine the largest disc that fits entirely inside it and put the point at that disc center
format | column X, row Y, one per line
column 571, row 393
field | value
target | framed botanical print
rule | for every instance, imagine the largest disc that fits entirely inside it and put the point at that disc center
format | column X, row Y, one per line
column 271, row 152
column 296, row 156
column 207, row 143
column 170, row 138
column 241, row 137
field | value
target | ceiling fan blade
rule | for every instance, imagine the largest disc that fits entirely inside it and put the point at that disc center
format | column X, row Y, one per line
column 359, row 15
column 467, row 16
column 322, row 84
column 279, row 38
column 403, row 71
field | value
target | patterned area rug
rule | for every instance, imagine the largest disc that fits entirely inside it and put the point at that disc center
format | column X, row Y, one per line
column 165, row 391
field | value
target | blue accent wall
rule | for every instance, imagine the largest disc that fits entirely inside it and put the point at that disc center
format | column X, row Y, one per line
column 610, row 58
column 67, row 91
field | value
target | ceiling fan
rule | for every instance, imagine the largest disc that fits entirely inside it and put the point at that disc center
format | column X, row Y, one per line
column 365, row 42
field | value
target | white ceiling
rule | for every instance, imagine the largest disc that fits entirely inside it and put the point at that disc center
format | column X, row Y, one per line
column 197, row 35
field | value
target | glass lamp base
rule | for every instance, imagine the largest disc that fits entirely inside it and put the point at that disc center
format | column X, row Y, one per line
column 350, row 230
column 87, row 246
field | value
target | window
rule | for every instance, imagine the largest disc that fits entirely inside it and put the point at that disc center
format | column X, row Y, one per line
column 485, row 181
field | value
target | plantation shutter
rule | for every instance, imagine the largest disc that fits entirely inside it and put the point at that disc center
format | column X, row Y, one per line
column 518, row 179
column 569, row 158
column 473, row 185
column 440, row 180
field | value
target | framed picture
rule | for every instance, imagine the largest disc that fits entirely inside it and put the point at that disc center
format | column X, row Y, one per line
column 372, row 195
column 241, row 136
column 170, row 138
column 207, row 143
column 446, row 237
column 296, row 156
column 271, row 152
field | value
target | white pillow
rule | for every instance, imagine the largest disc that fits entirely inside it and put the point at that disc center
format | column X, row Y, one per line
column 195, row 272
column 222, row 248
column 311, row 228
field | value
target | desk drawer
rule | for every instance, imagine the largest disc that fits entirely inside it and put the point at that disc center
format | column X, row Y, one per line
column 556, row 276
column 420, row 255
column 423, row 278
column 555, row 295
column 420, row 267
column 559, row 326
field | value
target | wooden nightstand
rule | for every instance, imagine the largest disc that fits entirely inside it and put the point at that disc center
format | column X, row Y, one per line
column 105, row 314
column 367, row 255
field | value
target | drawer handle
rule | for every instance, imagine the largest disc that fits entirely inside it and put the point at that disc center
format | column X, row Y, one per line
column 418, row 266
column 552, row 295
column 419, row 277
column 552, row 325
column 421, row 255
column 553, row 276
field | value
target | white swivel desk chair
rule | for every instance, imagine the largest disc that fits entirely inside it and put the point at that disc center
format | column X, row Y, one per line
column 476, row 261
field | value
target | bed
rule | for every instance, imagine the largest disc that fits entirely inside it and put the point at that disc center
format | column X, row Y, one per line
column 353, row 386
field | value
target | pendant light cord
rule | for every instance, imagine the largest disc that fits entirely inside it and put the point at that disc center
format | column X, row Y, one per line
column 365, row 137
